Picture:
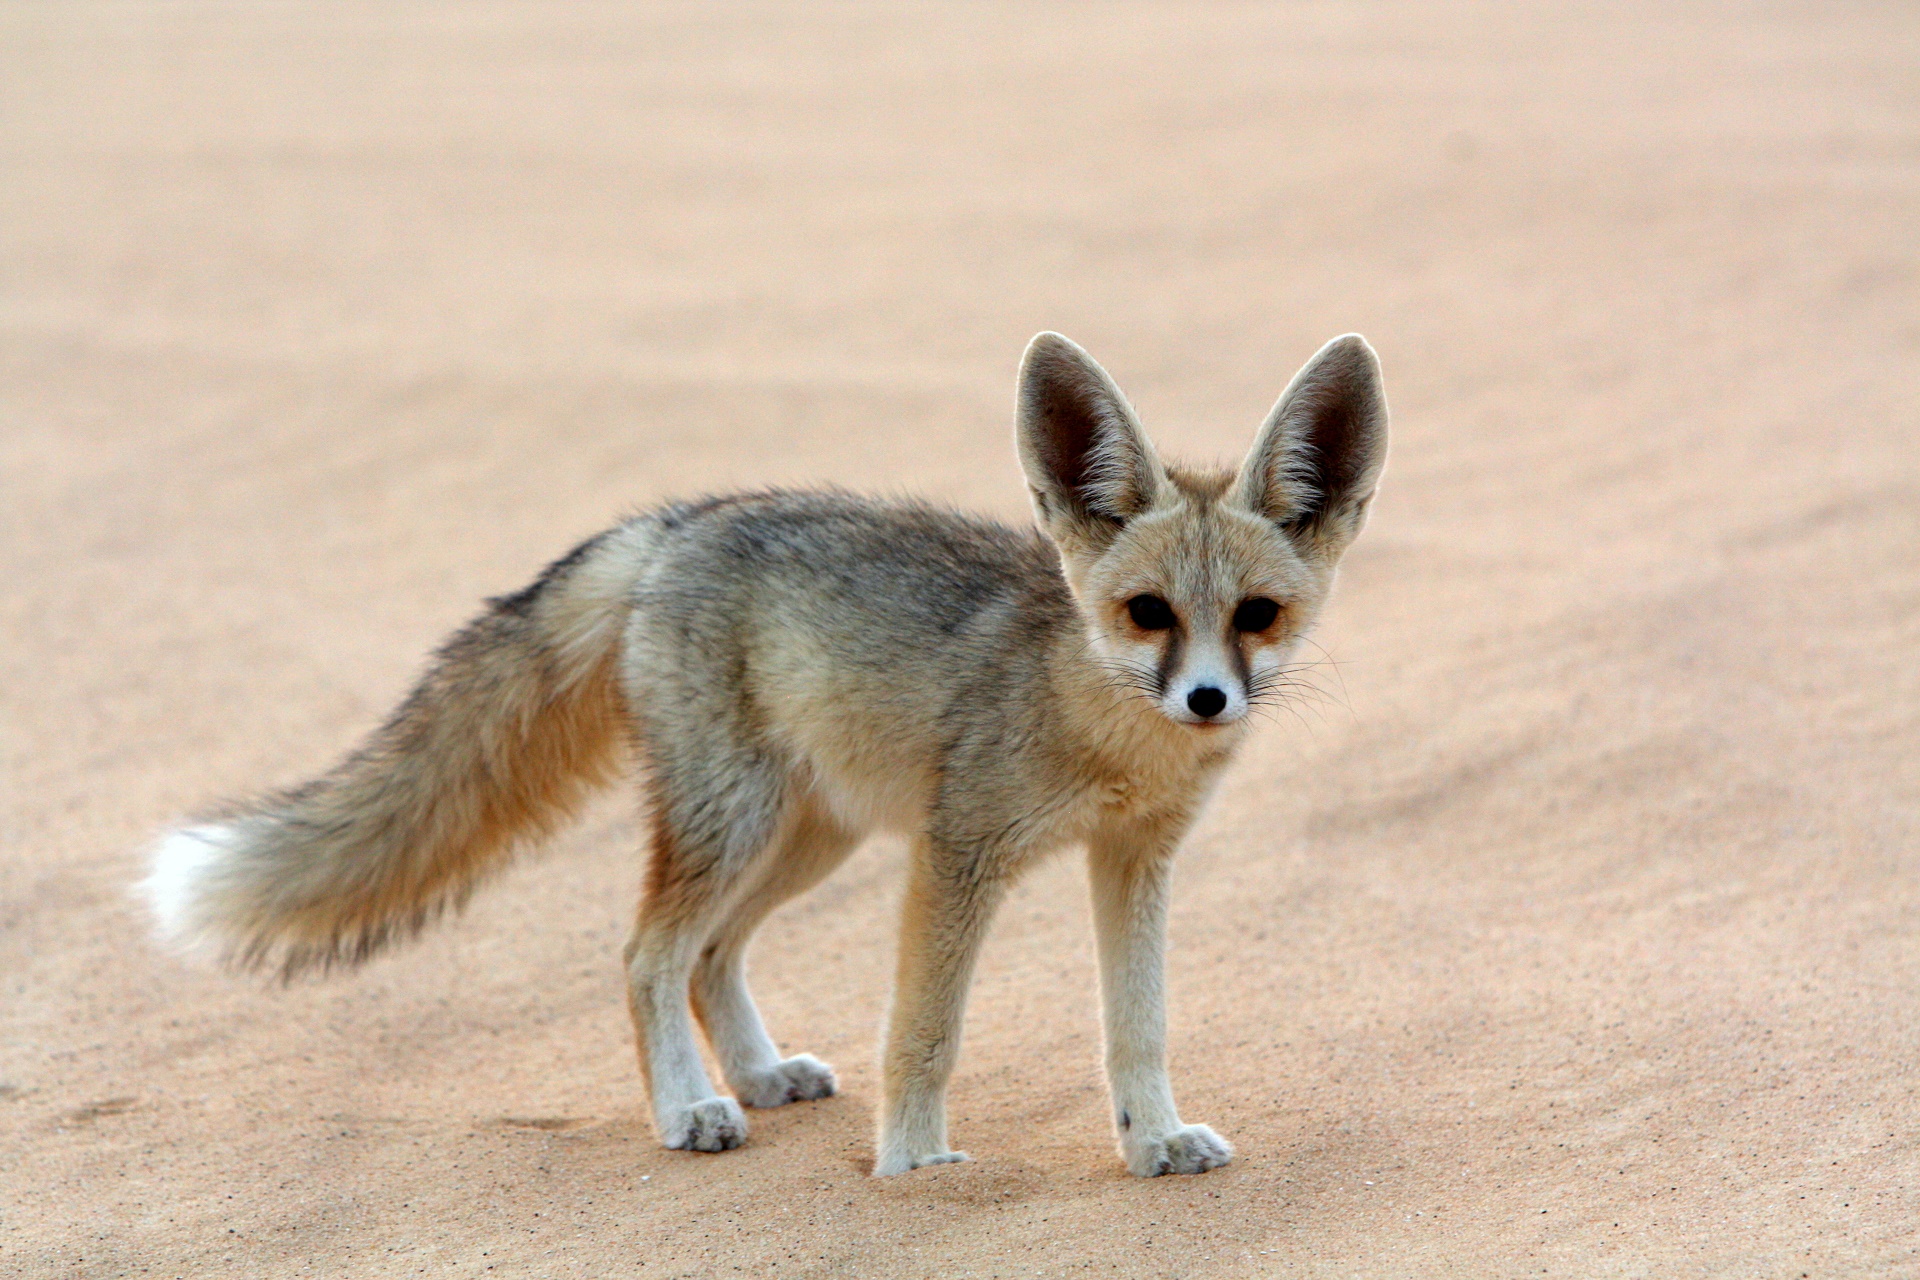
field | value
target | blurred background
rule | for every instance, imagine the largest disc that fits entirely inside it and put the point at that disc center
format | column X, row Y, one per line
column 1573, row 929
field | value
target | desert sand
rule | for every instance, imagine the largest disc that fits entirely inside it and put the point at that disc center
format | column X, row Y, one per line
column 1572, row 928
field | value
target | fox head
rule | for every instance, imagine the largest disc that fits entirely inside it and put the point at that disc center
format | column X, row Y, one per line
column 1197, row 585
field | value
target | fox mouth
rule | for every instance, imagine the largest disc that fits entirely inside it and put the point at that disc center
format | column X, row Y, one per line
column 1187, row 720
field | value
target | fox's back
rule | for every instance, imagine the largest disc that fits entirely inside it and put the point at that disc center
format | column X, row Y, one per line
column 853, row 637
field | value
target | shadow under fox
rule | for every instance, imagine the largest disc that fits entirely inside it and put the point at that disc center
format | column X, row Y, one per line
column 797, row 670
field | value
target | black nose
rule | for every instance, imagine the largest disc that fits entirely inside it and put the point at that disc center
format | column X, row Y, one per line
column 1206, row 702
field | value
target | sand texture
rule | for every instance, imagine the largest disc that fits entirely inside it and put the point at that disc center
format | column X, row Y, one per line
column 1572, row 929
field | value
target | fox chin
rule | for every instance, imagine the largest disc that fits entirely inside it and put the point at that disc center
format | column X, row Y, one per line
column 792, row 671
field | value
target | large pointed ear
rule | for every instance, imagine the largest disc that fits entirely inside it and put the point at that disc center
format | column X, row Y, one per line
column 1089, row 465
column 1319, row 455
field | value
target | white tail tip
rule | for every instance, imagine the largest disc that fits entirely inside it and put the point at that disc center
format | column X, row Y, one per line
column 176, row 884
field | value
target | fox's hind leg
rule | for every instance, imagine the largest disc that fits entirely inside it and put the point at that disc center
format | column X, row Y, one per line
column 706, row 849
column 810, row 846
column 679, row 909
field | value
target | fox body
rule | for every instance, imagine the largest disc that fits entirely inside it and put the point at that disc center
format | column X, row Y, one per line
column 796, row 670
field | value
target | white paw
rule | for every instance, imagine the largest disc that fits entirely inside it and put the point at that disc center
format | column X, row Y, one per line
column 712, row 1124
column 890, row 1165
column 1192, row 1148
column 801, row 1078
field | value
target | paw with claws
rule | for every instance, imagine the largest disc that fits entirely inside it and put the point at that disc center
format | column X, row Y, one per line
column 712, row 1124
column 1192, row 1148
column 889, row 1165
column 802, row 1078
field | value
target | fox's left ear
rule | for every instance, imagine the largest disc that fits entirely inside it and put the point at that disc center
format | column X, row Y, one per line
column 1318, row 458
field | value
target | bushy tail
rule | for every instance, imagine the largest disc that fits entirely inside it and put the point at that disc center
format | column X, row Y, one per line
column 519, row 717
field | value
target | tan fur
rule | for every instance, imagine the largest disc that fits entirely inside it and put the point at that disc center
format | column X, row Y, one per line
column 798, row 670
column 516, row 722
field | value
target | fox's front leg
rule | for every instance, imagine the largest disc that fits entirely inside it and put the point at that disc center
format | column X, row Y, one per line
column 1129, row 872
column 949, row 901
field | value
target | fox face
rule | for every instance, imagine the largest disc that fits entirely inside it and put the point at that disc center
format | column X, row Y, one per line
column 1197, row 586
column 1197, row 605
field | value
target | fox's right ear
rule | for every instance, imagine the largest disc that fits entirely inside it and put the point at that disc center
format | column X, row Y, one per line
column 1090, row 468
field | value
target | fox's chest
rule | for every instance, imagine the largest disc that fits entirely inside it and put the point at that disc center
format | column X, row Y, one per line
column 1130, row 797
column 1154, row 789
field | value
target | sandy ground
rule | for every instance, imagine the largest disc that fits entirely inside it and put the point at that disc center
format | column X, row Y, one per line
column 1576, row 929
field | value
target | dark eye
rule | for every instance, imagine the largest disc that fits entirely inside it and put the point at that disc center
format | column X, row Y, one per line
column 1256, row 614
column 1151, row 613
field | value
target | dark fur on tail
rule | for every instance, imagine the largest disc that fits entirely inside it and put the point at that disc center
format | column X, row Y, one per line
column 517, row 719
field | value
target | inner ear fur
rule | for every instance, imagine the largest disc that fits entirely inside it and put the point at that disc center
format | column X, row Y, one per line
column 1089, row 466
column 1319, row 455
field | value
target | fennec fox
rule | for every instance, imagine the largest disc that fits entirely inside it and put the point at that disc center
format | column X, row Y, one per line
column 796, row 670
